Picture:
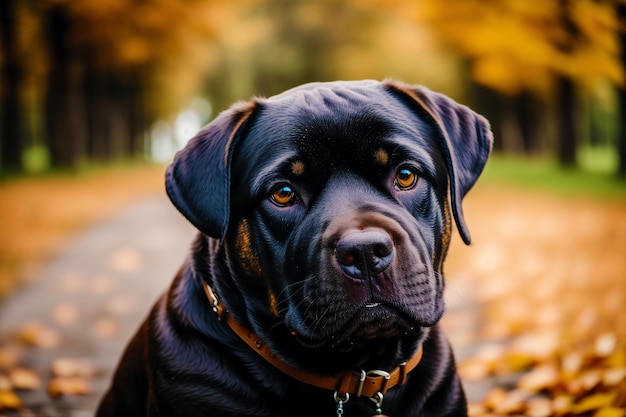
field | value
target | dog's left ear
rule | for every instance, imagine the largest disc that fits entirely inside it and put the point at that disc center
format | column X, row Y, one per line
column 466, row 138
column 198, row 181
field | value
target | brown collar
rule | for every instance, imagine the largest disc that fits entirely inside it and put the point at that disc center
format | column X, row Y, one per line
column 359, row 383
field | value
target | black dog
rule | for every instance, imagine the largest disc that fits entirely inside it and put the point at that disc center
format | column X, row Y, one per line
column 316, row 282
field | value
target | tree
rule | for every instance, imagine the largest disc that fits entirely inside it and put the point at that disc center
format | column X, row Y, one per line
column 11, row 120
column 550, row 51
column 621, row 140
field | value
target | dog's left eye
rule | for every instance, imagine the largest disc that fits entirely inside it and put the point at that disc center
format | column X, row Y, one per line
column 283, row 195
column 405, row 179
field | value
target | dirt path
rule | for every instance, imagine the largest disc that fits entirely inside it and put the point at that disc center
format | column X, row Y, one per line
column 540, row 292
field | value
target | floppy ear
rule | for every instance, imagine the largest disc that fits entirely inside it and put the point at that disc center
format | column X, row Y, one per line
column 466, row 140
column 198, row 181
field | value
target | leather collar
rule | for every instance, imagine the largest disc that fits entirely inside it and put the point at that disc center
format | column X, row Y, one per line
column 358, row 383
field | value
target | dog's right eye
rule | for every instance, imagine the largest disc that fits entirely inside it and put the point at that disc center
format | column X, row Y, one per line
column 283, row 195
column 405, row 179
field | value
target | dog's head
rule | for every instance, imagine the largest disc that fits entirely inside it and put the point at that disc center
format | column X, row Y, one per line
column 333, row 202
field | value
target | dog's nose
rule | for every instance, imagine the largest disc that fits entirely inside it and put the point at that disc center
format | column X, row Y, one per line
column 365, row 253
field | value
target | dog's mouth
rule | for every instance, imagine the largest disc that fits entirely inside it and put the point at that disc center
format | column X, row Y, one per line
column 374, row 321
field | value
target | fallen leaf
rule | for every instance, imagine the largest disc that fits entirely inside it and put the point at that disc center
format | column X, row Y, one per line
column 9, row 401
column 610, row 412
column 540, row 346
column 594, row 402
column 613, row 377
column 476, row 410
column 36, row 334
column 24, row 379
column 585, row 382
column 605, row 345
column 69, row 386
column 494, row 397
column 5, row 383
column 514, row 402
column 539, row 407
column 541, row 378
column 105, row 328
column 9, row 357
column 572, row 363
column 473, row 369
column 562, row 404
column 69, row 367
column 516, row 361
column 65, row 314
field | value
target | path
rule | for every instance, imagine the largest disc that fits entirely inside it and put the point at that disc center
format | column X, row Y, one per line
column 91, row 299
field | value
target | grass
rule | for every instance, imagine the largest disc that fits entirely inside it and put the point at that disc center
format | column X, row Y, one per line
column 595, row 179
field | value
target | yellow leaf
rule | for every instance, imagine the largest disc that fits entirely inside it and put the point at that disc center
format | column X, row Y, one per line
column 594, row 402
column 610, row 412
column 9, row 401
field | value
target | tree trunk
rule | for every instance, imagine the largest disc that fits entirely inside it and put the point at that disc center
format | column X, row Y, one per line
column 531, row 115
column 566, row 122
column 621, row 138
column 65, row 120
column 11, row 119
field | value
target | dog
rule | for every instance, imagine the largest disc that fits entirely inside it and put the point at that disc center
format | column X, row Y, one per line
column 315, row 284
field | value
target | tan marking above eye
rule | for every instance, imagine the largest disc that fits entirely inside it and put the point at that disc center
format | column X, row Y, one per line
column 381, row 157
column 297, row 168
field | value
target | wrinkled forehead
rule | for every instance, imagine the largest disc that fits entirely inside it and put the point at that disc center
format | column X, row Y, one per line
column 319, row 129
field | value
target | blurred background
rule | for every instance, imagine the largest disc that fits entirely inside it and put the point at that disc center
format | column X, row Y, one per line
column 86, row 81
column 97, row 96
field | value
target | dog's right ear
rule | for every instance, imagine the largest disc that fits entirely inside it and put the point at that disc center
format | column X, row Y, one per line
column 198, row 180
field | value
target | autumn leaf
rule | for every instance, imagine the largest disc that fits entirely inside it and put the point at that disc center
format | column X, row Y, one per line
column 69, row 386
column 9, row 401
column 24, row 379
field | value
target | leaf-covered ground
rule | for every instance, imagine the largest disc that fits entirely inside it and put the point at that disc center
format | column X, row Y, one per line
column 39, row 214
column 545, row 285
column 536, row 304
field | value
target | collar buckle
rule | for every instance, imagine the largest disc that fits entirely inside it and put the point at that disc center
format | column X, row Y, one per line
column 374, row 374
column 218, row 308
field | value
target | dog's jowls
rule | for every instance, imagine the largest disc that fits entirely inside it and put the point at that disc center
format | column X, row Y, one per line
column 325, row 214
